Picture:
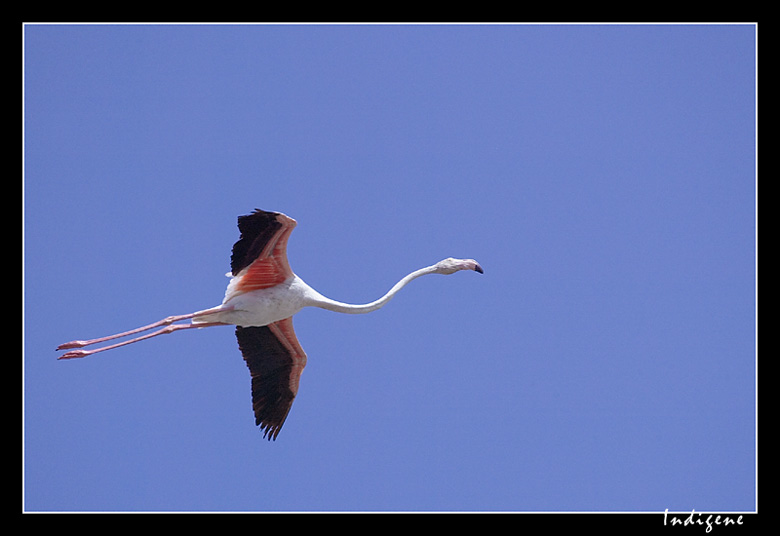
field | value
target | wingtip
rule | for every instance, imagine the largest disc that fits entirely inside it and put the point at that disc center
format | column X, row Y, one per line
column 270, row 432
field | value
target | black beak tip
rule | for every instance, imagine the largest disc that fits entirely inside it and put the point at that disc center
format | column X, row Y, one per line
column 478, row 268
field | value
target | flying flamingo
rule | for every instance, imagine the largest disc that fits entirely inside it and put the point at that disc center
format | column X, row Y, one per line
column 261, row 298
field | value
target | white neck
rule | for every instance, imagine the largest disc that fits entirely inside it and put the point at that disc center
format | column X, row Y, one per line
column 319, row 300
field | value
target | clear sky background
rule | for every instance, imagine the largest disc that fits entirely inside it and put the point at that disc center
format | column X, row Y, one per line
column 604, row 177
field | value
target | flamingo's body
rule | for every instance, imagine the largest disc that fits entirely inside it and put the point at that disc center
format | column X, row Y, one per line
column 260, row 300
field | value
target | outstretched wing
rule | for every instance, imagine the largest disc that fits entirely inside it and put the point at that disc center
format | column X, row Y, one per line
column 259, row 257
column 275, row 361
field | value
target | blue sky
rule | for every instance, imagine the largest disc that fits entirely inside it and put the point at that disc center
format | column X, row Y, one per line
column 604, row 177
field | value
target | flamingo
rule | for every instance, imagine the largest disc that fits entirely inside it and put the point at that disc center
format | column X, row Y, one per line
column 261, row 298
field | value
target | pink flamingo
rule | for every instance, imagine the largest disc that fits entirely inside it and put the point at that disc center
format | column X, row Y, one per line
column 261, row 298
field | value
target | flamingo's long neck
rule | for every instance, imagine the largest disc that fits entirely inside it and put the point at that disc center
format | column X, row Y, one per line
column 350, row 308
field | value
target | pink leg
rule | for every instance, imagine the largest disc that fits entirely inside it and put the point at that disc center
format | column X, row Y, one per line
column 164, row 322
column 167, row 329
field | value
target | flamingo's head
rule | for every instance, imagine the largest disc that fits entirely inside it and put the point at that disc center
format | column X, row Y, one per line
column 450, row 266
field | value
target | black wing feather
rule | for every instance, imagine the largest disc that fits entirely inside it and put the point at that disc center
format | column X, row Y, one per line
column 256, row 230
column 271, row 367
